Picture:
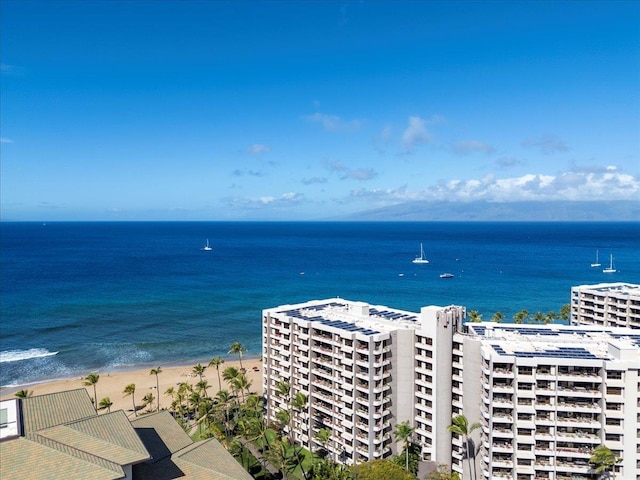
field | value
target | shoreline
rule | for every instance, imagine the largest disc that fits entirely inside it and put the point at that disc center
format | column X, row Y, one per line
column 228, row 359
column 112, row 383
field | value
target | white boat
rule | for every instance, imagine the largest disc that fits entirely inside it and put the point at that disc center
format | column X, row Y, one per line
column 421, row 258
column 610, row 269
column 446, row 275
column 207, row 247
column 597, row 263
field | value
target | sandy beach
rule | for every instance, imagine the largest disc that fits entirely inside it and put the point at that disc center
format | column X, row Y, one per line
column 112, row 384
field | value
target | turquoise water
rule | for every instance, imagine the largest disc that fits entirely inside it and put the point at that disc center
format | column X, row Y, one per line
column 79, row 297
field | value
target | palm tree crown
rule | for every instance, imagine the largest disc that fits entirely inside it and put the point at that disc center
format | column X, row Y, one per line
column 131, row 390
column 403, row 434
column 23, row 393
column 238, row 348
column 91, row 380
column 216, row 362
column 156, row 372
column 105, row 404
column 460, row 426
column 604, row 460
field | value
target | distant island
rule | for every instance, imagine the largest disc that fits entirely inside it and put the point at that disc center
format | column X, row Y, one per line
column 485, row 211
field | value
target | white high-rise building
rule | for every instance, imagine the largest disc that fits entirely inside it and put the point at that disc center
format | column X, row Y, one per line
column 607, row 304
column 545, row 395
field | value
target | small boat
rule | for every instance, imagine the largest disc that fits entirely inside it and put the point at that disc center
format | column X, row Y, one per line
column 421, row 258
column 610, row 269
column 446, row 275
column 207, row 247
column 597, row 263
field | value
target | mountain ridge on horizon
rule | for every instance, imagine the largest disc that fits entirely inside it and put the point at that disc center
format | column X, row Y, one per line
column 483, row 211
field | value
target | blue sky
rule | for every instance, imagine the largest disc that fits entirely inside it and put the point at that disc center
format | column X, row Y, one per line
column 211, row 110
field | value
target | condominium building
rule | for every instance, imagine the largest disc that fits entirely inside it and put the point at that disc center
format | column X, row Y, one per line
column 607, row 304
column 545, row 395
column 550, row 394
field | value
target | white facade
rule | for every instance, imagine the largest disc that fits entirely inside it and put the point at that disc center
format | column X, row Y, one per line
column 10, row 422
column 606, row 304
column 551, row 394
column 545, row 395
column 354, row 364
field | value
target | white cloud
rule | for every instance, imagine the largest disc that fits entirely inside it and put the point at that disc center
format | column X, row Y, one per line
column 257, row 149
column 313, row 180
column 333, row 122
column 251, row 173
column 286, row 200
column 360, row 174
column 334, row 165
column 547, row 144
column 350, row 173
column 472, row 146
column 507, row 162
column 414, row 134
column 578, row 186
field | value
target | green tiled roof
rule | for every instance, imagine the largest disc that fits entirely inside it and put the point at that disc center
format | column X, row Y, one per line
column 24, row 459
column 176, row 456
column 66, row 440
column 161, row 434
column 199, row 457
column 45, row 411
column 108, row 436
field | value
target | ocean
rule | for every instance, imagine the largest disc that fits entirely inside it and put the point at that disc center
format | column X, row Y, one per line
column 104, row 296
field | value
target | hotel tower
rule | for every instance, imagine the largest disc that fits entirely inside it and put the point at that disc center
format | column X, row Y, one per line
column 544, row 395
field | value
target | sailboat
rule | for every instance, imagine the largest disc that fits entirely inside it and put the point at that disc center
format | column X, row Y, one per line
column 597, row 264
column 207, row 247
column 610, row 269
column 421, row 258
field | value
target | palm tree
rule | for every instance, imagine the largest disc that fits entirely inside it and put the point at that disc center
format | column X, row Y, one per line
column 147, row 400
column 604, row 460
column 131, row 390
column 241, row 383
column 156, row 372
column 298, row 405
column 539, row 317
column 105, row 403
column 323, row 437
column 474, row 316
column 565, row 312
column 550, row 317
column 460, row 426
column 216, row 362
column 283, row 390
column 23, row 393
column 403, row 434
column 90, row 380
column 170, row 392
column 238, row 348
column 199, row 370
column 497, row 317
column 521, row 317
column 202, row 386
column 222, row 400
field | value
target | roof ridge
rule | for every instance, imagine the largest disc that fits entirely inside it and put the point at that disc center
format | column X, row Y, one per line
column 77, row 453
column 54, row 393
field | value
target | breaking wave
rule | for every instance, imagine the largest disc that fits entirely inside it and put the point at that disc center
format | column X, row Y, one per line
column 17, row 355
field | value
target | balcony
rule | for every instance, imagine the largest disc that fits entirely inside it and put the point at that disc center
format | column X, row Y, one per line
column 502, row 447
column 502, row 418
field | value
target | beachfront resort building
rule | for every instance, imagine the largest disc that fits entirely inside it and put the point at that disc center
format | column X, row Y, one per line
column 607, row 304
column 544, row 395
column 60, row 436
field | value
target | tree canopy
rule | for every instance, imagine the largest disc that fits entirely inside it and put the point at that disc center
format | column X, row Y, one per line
column 381, row 469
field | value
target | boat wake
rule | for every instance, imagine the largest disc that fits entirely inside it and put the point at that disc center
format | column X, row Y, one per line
column 17, row 355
